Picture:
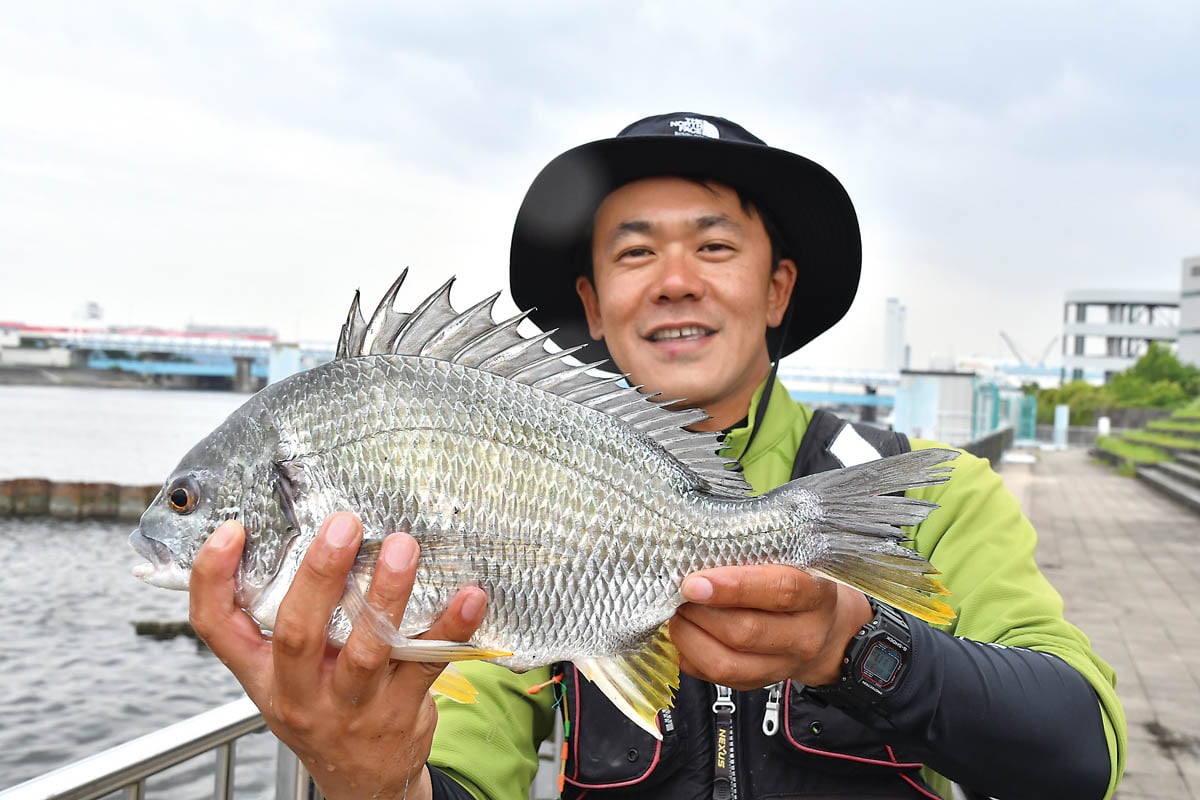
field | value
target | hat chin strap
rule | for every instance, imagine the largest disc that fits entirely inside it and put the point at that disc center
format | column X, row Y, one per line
column 765, row 400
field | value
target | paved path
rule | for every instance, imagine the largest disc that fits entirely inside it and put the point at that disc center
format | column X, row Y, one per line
column 1127, row 562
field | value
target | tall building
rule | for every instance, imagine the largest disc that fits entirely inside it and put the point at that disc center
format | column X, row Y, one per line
column 895, row 342
column 1189, row 312
column 1105, row 331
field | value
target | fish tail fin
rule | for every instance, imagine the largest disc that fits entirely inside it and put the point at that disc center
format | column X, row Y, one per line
column 860, row 515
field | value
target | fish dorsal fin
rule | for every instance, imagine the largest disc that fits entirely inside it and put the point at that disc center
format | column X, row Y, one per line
column 640, row 683
column 472, row 338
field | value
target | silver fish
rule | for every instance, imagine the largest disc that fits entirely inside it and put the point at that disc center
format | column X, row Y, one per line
column 577, row 504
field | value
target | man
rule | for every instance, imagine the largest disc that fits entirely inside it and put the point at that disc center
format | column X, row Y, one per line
column 698, row 255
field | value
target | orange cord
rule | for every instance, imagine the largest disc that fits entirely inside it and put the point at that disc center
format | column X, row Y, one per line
column 535, row 689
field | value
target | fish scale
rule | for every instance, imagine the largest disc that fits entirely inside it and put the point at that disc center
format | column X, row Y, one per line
column 576, row 504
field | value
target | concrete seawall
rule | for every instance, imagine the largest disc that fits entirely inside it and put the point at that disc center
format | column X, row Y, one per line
column 34, row 497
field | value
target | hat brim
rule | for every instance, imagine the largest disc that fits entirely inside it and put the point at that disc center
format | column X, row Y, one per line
column 808, row 206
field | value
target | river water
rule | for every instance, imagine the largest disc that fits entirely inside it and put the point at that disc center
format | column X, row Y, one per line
column 74, row 677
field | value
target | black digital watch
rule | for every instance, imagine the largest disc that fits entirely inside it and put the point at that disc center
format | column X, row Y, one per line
column 875, row 661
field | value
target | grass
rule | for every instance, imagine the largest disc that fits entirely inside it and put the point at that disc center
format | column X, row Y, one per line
column 1131, row 453
column 1162, row 440
column 1182, row 425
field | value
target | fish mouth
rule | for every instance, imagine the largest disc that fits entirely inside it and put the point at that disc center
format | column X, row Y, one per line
column 161, row 569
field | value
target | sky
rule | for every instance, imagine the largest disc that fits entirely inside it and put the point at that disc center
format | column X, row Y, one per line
column 246, row 163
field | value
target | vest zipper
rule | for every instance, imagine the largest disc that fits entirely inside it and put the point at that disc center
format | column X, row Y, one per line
column 725, row 756
column 770, row 725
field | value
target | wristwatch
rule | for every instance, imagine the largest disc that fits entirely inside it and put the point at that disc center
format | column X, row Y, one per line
column 876, row 660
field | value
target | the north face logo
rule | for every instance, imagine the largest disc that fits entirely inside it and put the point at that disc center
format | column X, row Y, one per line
column 693, row 126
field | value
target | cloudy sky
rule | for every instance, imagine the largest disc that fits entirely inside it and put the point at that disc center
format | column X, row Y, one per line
column 253, row 163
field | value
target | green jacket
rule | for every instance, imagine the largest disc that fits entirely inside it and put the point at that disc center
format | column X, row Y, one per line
column 978, row 538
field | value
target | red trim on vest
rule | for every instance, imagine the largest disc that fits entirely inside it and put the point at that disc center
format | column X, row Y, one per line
column 787, row 728
column 578, row 718
column 919, row 787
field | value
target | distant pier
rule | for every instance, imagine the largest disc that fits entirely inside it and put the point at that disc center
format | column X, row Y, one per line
column 41, row 497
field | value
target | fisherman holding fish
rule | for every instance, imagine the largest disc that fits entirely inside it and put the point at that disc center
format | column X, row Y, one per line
column 696, row 257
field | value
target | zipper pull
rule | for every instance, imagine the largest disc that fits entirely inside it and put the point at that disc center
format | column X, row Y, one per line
column 724, row 700
column 770, row 724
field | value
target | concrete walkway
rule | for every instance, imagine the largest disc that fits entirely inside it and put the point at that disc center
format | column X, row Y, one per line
column 1127, row 561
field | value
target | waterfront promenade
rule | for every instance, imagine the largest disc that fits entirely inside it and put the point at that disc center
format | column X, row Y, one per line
column 1127, row 562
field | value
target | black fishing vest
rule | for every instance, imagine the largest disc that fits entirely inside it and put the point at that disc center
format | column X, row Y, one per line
column 772, row 743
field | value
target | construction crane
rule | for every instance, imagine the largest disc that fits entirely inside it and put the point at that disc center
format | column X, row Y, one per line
column 1016, row 351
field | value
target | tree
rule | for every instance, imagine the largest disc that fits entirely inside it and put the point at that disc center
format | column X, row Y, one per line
column 1158, row 380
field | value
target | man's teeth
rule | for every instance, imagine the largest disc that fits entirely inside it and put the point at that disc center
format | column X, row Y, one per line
column 678, row 333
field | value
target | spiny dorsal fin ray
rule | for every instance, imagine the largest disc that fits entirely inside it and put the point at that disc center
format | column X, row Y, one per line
column 517, row 351
column 599, row 387
column 386, row 322
column 353, row 331
column 425, row 322
column 473, row 339
column 498, row 343
column 461, row 331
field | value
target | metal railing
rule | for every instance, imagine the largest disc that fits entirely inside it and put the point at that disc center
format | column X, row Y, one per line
column 127, row 766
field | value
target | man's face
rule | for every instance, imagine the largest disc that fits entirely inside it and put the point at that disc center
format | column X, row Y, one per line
column 683, row 293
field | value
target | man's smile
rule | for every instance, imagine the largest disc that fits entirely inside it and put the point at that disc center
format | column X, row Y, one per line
column 681, row 332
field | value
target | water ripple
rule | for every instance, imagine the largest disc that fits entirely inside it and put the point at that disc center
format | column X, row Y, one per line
column 75, row 678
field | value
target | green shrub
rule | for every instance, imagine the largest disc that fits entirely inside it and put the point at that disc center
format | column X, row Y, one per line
column 1082, row 397
column 1158, row 380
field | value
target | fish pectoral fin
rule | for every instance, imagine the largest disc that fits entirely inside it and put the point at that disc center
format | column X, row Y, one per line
column 453, row 684
column 288, row 481
column 437, row 650
column 359, row 612
column 639, row 683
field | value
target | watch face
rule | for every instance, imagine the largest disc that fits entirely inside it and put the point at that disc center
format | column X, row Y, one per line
column 881, row 664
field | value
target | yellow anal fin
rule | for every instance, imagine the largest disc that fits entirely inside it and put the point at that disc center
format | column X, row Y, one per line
column 639, row 683
column 453, row 684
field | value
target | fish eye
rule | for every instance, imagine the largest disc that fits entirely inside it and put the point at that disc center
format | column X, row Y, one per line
column 182, row 495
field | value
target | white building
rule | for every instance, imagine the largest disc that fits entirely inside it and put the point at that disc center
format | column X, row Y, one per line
column 1105, row 331
column 1189, row 312
column 895, row 341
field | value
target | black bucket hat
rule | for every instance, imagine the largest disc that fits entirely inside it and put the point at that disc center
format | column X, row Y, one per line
column 807, row 205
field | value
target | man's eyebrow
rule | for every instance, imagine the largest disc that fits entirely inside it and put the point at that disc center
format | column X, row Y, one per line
column 630, row 227
column 717, row 221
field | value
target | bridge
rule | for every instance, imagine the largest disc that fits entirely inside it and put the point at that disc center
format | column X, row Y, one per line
column 248, row 360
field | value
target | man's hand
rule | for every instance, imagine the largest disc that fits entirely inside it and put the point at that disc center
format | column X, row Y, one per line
column 747, row 627
column 361, row 724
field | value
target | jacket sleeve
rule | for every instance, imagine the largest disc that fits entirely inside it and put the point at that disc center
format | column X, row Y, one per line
column 490, row 747
column 1009, row 713
column 1004, row 722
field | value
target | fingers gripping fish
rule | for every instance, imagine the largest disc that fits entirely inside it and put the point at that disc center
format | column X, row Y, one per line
column 576, row 503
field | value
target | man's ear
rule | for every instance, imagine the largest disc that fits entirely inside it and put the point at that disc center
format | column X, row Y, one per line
column 779, row 292
column 591, row 306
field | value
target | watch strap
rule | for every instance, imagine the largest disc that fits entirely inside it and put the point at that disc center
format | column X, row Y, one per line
column 875, row 662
